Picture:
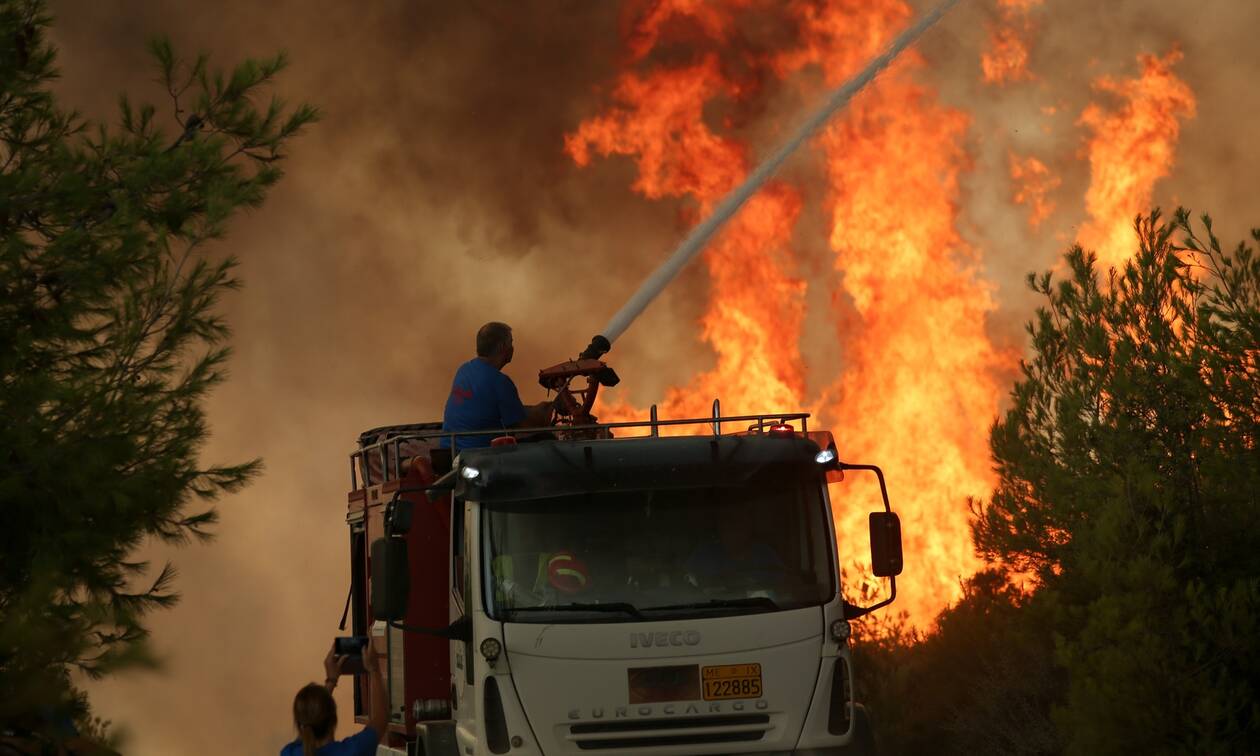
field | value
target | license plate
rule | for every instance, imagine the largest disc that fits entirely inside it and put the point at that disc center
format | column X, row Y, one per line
column 659, row 684
column 731, row 681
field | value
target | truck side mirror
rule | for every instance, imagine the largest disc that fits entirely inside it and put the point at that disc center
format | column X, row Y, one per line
column 459, row 630
column 391, row 581
column 885, row 544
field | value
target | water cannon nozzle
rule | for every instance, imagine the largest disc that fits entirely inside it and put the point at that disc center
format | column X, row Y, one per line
column 598, row 348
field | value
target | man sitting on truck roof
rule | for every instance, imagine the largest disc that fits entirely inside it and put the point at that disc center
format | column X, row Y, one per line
column 484, row 398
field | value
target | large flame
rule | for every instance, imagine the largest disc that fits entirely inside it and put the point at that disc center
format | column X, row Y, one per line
column 1131, row 147
column 916, row 395
column 918, row 391
column 756, row 305
column 920, row 383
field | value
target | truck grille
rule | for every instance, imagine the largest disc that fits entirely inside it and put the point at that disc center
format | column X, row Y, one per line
column 734, row 728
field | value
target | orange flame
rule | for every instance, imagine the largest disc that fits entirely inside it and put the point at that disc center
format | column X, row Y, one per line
column 920, row 383
column 1131, row 148
column 1033, row 181
column 714, row 20
column 1007, row 59
column 919, row 390
column 756, row 307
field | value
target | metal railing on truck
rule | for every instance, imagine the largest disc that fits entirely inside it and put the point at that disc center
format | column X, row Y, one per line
column 389, row 450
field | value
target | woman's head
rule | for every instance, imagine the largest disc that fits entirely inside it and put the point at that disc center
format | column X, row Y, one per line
column 315, row 714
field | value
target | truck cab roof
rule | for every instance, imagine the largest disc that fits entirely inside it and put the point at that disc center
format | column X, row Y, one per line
column 543, row 469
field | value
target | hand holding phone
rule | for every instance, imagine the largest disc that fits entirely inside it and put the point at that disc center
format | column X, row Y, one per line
column 348, row 651
column 332, row 666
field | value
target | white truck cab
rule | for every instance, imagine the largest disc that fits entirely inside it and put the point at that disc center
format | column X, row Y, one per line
column 651, row 595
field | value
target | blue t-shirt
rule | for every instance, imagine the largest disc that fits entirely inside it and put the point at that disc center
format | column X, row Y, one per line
column 482, row 398
column 363, row 744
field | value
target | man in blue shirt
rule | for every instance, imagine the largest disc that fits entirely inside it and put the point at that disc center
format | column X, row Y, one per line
column 484, row 398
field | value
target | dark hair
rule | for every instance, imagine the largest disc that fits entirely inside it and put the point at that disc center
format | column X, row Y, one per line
column 315, row 714
column 493, row 337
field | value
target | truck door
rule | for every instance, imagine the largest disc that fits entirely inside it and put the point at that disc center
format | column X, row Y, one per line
column 463, row 696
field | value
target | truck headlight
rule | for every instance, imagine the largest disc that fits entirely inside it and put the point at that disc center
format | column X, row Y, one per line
column 840, row 630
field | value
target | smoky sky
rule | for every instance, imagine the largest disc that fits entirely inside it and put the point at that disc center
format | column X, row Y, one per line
column 435, row 195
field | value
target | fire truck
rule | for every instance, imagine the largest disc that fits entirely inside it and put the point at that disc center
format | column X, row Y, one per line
column 610, row 587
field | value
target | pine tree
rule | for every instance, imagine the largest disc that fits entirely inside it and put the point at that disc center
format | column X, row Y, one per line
column 110, row 340
column 1130, row 491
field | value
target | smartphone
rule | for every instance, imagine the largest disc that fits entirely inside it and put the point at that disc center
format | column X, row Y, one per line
column 350, row 647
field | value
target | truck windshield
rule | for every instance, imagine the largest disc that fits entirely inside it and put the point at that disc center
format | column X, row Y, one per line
column 633, row 556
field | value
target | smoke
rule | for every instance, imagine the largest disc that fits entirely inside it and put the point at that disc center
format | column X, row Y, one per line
column 436, row 195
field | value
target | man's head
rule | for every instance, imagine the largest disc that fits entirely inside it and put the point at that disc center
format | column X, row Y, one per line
column 494, row 343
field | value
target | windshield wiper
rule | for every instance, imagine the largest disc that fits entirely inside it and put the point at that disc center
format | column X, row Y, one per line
column 612, row 606
column 762, row 602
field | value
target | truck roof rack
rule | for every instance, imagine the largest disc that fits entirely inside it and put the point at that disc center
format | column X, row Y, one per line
column 386, row 445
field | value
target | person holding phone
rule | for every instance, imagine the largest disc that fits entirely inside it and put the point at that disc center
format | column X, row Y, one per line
column 315, row 711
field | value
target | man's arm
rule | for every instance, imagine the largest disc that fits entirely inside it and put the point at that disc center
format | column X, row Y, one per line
column 514, row 414
column 332, row 669
column 536, row 416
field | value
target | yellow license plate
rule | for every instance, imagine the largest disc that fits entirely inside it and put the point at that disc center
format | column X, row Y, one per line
column 731, row 681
